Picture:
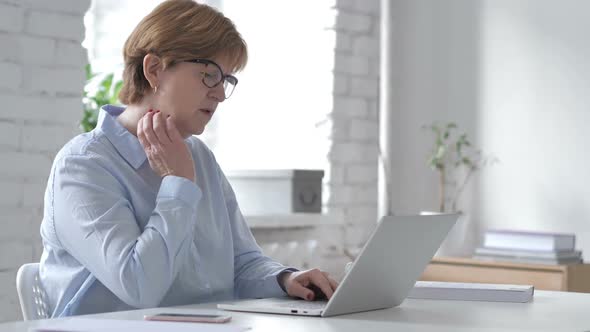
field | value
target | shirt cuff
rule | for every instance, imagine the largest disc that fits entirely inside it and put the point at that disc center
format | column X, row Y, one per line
column 180, row 188
column 280, row 274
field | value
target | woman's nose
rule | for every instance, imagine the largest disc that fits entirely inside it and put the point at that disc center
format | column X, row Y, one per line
column 218, row 93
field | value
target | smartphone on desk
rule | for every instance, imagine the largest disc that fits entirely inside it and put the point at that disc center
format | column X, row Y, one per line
column 193, row 318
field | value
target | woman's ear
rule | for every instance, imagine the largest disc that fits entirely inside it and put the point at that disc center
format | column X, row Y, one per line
column 152, row 67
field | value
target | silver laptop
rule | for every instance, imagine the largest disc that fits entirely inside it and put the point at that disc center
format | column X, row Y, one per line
column 381, row 277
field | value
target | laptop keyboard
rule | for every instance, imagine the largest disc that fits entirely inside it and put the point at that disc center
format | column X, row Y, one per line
column 303, row 304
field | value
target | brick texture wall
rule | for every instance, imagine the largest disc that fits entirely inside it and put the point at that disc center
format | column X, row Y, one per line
column 352, row 180
column 41, row 83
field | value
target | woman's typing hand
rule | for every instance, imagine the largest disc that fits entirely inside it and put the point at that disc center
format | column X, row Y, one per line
column 309, row 285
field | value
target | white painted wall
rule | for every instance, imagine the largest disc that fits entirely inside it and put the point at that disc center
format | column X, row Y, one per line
column 436, row 66
column 514, row 75
column 435, row 60
column 41, row 82
column 535, row 83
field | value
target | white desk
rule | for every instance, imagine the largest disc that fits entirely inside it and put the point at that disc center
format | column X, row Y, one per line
column 549, row 311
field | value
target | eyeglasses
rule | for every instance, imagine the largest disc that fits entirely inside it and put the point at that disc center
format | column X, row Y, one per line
column 215, row 77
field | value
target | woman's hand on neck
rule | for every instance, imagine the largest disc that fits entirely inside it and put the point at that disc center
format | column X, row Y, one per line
column 131, row 116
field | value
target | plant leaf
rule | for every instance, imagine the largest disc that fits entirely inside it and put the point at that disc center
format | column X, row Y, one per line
column 97, row 93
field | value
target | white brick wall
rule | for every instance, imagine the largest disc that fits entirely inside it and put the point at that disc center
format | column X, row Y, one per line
column 9, row 135
column 11, row 77
column 57, row 25
column 11, row 17
column 41, row 108
column 42, row 66
column 54, row 80
column 352, row 179
column 351, row 107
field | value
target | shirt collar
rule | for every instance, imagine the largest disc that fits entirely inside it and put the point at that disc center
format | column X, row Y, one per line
column 125, row 142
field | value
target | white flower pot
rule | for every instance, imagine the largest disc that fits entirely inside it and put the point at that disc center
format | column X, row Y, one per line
column 460, row 241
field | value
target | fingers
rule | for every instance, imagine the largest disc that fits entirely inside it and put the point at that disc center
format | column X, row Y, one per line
column 298, row 290
column 148, row 129
column 165, row 148
column 307, row 282
column 141, row 134
column 172, row 130
column 159, row 125
column 333, row 283
column 331, row 280
column 320, row 280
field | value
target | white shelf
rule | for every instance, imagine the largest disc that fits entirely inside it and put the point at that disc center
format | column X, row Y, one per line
column 290, row 221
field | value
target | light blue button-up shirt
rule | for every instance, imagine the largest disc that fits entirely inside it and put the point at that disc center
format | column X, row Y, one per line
column 117, row 236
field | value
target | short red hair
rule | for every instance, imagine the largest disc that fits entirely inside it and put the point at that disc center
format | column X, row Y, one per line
column 178, row 30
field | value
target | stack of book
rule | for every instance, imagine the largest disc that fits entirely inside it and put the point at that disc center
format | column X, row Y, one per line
column 529, row 247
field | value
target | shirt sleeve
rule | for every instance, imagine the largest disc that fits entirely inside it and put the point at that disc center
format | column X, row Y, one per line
column 95, row 223
column 255, row 275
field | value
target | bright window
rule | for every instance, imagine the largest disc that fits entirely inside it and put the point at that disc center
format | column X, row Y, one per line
column 273, row 119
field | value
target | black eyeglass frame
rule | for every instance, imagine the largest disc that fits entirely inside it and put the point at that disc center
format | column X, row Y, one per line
column 229, row 78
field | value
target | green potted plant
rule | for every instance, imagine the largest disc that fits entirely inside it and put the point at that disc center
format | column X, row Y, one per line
column 99, row 90
column 455, row 160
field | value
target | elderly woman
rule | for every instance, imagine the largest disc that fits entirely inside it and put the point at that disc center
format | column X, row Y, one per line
column 137, row 212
